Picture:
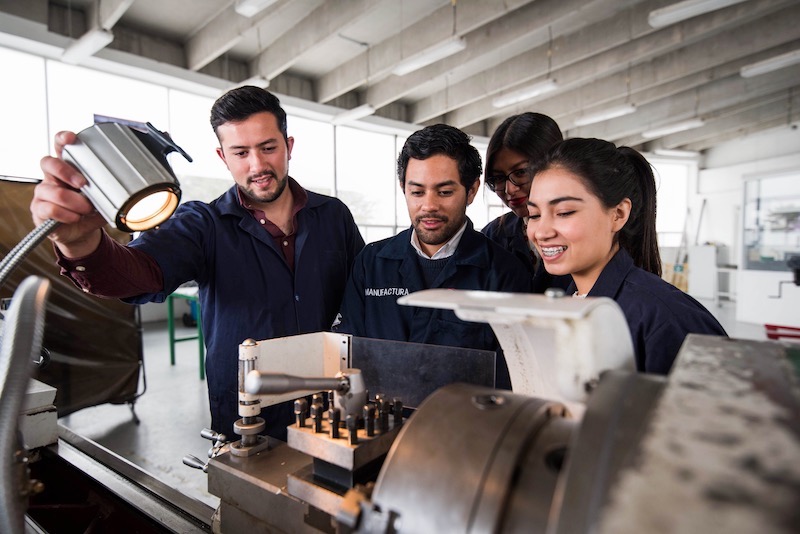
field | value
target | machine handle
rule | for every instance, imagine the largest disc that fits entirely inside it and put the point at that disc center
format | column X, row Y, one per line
column 195, row 462
column 258, row 383
column 210, row 435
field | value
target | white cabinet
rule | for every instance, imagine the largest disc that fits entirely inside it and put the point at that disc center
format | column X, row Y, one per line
column 702, row 269
column 710, row 276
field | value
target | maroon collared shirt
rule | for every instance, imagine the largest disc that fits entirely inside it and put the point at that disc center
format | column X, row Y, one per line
column 284, row 242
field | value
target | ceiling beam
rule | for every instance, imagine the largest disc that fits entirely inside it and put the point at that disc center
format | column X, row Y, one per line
column 327, row 20
column 771, row 115
column 494, row 42
column 586, row 78
column 717, row 118
column 628, row 28
column 221, row 34
column 377, row 62
column 109, row 12
column 225, row 30
column 720, row 123
column 533, row 64
column 647, row 85
column 711, row 98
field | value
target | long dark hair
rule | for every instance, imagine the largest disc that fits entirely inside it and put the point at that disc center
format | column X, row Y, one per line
column 531, row 134
column 613, row 174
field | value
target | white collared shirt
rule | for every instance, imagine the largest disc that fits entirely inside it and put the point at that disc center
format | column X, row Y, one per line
column 447, row 250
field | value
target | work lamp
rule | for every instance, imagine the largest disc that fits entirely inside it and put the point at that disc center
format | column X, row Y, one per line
column 130, row 182
column 128, row 185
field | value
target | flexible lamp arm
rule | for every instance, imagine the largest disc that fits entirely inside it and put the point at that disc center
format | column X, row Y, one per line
column 24, row 247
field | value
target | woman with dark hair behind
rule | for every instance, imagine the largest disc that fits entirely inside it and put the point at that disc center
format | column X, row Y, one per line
column 592, row 214
column 516, row 144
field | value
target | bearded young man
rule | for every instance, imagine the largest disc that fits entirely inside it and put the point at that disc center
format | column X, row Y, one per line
column 439, row 173
column 270, row 258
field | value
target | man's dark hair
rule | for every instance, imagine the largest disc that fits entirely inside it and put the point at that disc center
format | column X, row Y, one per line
column 441, row 139
column 240, row 103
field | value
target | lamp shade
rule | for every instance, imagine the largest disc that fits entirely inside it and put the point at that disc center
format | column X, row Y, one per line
column 128, row 185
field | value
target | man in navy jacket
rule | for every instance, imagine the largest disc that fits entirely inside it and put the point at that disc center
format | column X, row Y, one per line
column 439, row 174
column 270, row 258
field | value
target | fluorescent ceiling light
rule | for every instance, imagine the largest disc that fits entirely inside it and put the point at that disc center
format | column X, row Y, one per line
column 351, row 115
column 526, row 93
column 431, row 55
column 673, row 128
column 687, row 9
column 251, row 8
column 88, row 45
column 258, row 81
column 606, row 114
column 674, row 153
column 768, row 65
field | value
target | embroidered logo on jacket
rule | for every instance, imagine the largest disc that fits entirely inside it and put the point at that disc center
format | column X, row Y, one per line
column 385, row 291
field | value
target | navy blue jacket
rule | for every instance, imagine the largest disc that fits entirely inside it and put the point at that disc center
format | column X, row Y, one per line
column 388, row 269
column 508, row 232
column 659, row 314
column 246, row 289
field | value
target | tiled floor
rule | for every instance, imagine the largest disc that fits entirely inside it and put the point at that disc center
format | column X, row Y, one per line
column 175, row 408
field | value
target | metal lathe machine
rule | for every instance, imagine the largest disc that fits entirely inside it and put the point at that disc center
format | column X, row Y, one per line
column 398, row 437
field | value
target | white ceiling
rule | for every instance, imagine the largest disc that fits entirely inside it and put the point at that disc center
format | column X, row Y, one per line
column 602, row 53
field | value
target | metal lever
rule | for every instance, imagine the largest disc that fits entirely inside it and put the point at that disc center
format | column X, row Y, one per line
column 258, row 383
column 195, row 462
column 211, row 435
column 218, row 443
column 350, row 393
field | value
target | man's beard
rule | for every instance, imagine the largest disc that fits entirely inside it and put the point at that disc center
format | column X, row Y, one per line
column 267, row 197
column 439, row 236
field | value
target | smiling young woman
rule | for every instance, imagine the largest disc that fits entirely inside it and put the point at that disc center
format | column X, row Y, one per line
column 592, row 215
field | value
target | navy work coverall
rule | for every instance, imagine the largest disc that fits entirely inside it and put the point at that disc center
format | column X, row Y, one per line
column 388, row 269
column 659, row 314
column 246, row 289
